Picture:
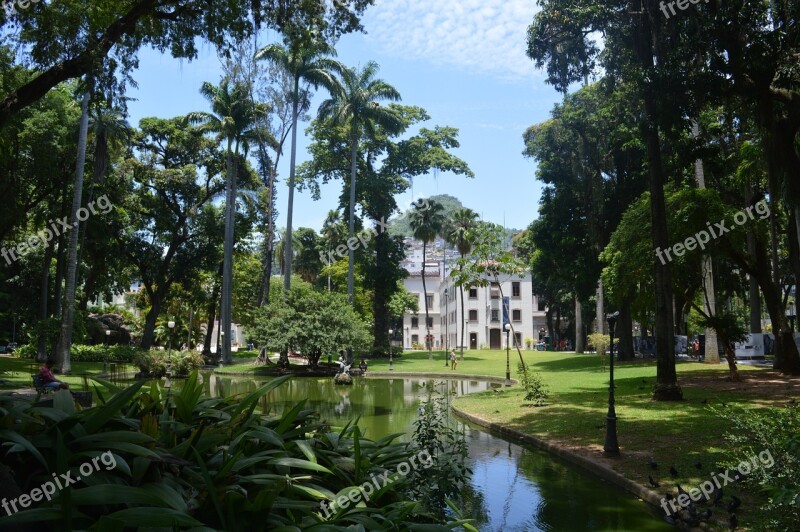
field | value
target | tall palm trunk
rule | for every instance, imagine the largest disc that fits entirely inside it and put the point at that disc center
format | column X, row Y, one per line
column 227, row 260
column 287, row 249
column 63, row 364
column 463, row 322
column 41, row 350
column 425, row 298
column 579, row 346
column 351, row 266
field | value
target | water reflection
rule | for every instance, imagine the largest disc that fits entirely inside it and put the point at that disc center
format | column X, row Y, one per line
column 513, row 488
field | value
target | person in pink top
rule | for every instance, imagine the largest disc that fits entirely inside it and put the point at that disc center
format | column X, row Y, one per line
column 48, row 379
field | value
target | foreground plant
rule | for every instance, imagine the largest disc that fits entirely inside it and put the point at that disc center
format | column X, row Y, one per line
column 185, row 460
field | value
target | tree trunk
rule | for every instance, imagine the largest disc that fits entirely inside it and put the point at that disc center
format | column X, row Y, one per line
column 380, row 303
column 579, row 344
column 463, row 322
column 624, row 332
column 44, row 289
column 148, row 332
column 600, row 323
column 287, row 249
column 753, row 291
column 212, row 314
column 227, row 260
column 425, row 299
column 63, row 363
column 351, row 265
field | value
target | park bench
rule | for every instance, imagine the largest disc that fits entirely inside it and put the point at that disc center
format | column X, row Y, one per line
column 39, row 385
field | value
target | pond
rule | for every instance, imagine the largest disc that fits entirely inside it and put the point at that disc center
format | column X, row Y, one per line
column 513, row 487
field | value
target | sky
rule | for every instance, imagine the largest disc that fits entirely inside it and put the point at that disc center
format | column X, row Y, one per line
column 463, row 61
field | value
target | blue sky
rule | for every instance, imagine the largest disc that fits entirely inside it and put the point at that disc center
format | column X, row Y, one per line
column 462, row 60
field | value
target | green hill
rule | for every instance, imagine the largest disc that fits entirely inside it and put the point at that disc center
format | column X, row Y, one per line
column 399, row 225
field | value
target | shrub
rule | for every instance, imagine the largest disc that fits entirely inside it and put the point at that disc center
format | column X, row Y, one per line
column 600, row 342
column 121, row 354
column 528, row 343
column 186, row 362
column 775, row 430
column 151, row 363
column 184, row 460
column 535, row 389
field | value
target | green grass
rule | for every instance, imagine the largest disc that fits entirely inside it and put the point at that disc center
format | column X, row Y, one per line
column 18, row 372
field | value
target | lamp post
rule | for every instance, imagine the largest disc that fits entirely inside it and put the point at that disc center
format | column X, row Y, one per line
column 611, row 445
column 105, row 361
column 791, row 314
column 391, row 359
column 508, row 354
column 170, row 325
column 446, row 327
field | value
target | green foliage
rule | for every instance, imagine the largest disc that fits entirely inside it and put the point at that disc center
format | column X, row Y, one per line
column 179, row 459
column 152, row 363
column 600, row 342
column 311, row 323
column 90, row 353
column 445, row 478
column 535, row 389
column 769, row 433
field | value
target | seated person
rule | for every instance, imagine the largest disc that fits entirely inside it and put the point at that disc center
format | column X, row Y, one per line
column 49, row 380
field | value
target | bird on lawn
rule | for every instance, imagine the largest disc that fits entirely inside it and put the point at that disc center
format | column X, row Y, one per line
column 717, row 497
column 652, row 463
column 705, row 516
column 673, row 471
column 653, row 483
column 733, row 522
column 735, row 503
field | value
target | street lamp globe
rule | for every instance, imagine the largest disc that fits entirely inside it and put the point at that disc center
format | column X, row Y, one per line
column 391, row 359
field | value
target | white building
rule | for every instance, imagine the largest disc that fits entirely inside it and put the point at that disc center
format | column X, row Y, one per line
column 414, row 329
column 483, row 312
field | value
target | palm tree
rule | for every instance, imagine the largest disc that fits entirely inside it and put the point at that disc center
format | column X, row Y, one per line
column 63, row 363
column 426, row 220
column 459, row 234
column 332, row 233
column 234, row 119
column 306, row 62
column 356, row 101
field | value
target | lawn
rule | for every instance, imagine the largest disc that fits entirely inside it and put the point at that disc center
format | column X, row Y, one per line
column 16, row 373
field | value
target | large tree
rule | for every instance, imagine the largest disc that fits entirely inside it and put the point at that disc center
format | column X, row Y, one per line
column 427, row 220
column 234, row 120
column 460, row 233
column 308, row 62
column 355, row 101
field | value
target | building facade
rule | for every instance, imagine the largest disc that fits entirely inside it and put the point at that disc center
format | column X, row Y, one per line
column 484, row 314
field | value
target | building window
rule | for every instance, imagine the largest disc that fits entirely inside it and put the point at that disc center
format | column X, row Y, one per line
column 473, row 316
column 515, row 290
column 517, row 339
column 414, row 323
column 495, row 315
column 414, row 338
column 516, row 315
column 429, row 297
column 540, row 304
column 473, row 293
column 430, row 323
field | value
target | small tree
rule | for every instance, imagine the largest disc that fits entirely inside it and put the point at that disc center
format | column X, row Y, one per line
column 312, row 323
column 532, row 383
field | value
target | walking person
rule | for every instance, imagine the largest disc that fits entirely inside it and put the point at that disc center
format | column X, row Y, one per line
column 453, row 360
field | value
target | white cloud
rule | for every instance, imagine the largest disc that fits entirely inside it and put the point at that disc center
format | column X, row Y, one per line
column 488, row 36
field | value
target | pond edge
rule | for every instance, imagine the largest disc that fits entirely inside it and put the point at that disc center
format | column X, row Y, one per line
column 598, row 469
